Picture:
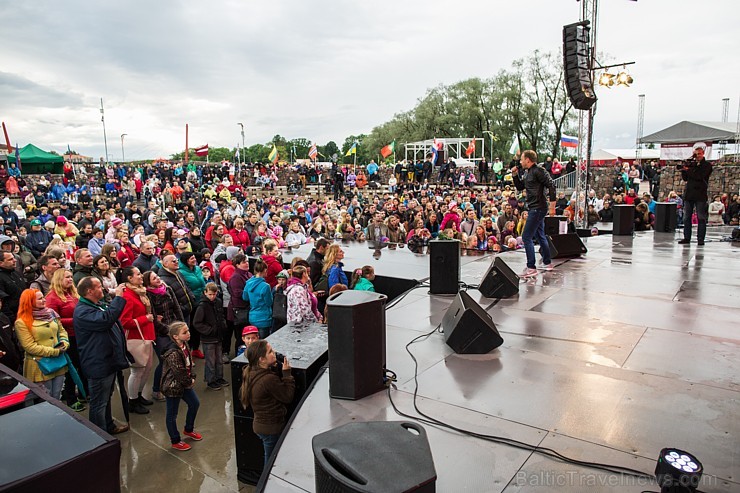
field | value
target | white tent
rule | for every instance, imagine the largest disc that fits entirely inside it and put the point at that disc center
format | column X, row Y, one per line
column 624, row 154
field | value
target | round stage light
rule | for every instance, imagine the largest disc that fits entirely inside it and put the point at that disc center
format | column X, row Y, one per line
column 678, row 471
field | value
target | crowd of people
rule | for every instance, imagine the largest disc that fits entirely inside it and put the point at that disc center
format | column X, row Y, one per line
column 150, row 268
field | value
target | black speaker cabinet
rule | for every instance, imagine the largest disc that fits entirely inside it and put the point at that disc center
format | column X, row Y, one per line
column 387, row 456
column 563, row 246
column 468, row 328
column 356, row 344
column 444, row 266
column 666, row 217
column 624, row 220
column 552, row 224
column 500, row 281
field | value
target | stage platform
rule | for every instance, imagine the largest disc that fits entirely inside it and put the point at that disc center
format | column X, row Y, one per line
column 608, row 358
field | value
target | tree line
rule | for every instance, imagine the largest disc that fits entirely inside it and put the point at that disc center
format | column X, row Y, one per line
column 528, row 102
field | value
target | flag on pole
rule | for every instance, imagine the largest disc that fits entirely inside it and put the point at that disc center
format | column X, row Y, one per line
column 18, row 158
column 388, row 150
column 471, row 148
column 352, row 150
column 69, row 151
column 514, row 146
column 201, row 151
column 568, row 141
column 273, row 157
column 436, row 147
column 236, row 154
column 313, row 151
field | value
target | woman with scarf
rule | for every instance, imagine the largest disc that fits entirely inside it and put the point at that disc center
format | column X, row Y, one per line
column 302, row 304
column 138, row 323
column 41, row 335
column 166, row 310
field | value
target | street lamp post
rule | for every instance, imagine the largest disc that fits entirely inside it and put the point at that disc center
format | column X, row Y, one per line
column 123, row 153
column 242, row 158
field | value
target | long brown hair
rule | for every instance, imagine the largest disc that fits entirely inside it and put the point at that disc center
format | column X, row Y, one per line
column 255, row 351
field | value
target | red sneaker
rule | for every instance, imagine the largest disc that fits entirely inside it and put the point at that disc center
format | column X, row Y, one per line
column 181, row 446
column 198, row 354
column 193, row 434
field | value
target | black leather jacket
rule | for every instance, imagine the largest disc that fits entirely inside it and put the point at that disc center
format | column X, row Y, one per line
column 535, row 180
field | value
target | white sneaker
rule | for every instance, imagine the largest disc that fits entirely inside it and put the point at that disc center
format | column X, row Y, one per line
column 528, row 273
column 549, row 267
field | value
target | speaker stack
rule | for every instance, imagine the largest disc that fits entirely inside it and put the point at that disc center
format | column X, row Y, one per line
column 387, row 456
column 577, row 64
column 624, row 220
column 444, row 266
column 356, row 344
column 666, row 217
column 468, row 328
column 567, row 245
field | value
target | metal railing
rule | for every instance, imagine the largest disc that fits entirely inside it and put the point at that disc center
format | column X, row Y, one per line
column 566, row 182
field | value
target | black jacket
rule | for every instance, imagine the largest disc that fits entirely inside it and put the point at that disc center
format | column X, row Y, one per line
column 182, row 291
column 11, row 285
column 145, row 262
column 37, row 241
column 100, row 338
column 316, row 263
column 168, row 307
column 209, row 320
column 697, row 181
column 535, row 180
column 80, row 272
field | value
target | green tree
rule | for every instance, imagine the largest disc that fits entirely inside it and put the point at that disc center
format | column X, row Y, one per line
column 329, row 150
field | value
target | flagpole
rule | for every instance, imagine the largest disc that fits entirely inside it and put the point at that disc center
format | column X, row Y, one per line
column 186, row 144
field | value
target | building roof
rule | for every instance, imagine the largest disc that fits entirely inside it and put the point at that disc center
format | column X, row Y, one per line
column 629, row 154
column 688, row 131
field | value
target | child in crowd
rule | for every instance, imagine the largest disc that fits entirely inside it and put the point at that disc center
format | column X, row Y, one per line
column 249, row 335
column 207, row 275
column 178, row 381
column 362, row 279
column 210, row 323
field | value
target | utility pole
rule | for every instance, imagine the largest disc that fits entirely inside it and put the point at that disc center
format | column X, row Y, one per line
column 640, row 123
column 725, row 109
column 105, row 138
column 123, row 153
column 242, row 158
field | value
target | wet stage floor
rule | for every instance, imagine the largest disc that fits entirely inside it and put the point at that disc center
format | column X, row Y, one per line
column 608, row 358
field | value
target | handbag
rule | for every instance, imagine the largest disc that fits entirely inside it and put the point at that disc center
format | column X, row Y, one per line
column 52, row 364
column 280, row 308
column 140, row 349
column 241, row 317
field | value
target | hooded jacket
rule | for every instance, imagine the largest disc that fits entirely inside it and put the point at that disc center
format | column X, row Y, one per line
column 259, row 294
column 209, row 320
column 37, row 241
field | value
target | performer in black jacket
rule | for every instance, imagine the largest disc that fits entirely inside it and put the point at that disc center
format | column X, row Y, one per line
column 695, row 172
column 535, row 180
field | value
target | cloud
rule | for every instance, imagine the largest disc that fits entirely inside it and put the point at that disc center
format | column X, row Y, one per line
column 19, row 92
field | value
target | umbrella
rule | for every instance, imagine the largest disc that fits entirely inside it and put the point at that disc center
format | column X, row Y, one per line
column 75, row 376
column 124, row 394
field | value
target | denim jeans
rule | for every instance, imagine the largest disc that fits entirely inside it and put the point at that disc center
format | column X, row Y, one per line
column 702, row 214
column 268, row 444
column 214, row 369
column 535, row 228
column 173, row 404
column 54, row 386
column 161, row 342
column 101, row 390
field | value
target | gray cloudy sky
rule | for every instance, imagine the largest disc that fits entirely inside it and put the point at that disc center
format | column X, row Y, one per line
column 326, row 69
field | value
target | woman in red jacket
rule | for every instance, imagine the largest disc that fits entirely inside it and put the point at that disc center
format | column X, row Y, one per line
column 138, row 322
column 126, row 255
column 63, row 298
column 239, row 234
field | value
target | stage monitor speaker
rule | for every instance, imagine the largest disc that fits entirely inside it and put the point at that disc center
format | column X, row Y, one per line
column 500, row 281
column 624, row 220
column 564, row 246
column 356, row 344
column 444, row 266
column 468, row 328
column 387, row 456
column 666, row 217
column 556, row 225
column 577, row 65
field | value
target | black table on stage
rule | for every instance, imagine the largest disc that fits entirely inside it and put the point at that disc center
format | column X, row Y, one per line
column 307, row 348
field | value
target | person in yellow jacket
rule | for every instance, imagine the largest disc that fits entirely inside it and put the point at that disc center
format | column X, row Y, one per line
column 41, row 335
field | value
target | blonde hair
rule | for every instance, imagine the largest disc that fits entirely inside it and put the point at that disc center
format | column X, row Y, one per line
column 330, row 257
column 56, row 285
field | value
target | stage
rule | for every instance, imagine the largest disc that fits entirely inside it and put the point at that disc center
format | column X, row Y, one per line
column 608, row 358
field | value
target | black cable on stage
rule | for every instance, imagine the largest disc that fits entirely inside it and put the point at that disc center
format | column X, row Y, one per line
column 548, row 452
column 419, row 284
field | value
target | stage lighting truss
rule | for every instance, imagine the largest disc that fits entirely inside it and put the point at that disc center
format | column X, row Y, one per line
column 621, row 79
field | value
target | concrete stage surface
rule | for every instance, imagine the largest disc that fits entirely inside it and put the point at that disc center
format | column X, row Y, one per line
column 608, row 358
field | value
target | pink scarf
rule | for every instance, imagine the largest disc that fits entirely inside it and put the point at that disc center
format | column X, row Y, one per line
column 161, row 290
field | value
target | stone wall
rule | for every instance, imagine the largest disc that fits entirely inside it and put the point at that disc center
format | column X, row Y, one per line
column 725, row 178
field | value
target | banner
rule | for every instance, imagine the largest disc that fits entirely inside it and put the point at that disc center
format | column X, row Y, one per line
column 680, row 152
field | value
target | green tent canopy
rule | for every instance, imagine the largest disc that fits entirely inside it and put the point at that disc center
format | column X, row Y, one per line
column 37, row 161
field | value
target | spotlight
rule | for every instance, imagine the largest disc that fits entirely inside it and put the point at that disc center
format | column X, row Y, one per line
column 624, row 79
column 606, row 79
column 678, row 471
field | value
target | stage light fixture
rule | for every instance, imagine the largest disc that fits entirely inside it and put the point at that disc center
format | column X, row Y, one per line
column 624, row 79
column 606, row 79
column 678, row 471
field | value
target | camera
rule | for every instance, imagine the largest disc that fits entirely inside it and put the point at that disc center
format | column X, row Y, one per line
column 687, row 164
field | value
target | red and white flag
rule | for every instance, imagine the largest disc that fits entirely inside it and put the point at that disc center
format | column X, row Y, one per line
column 201, row 151
column 313, row 151
column 471, row 148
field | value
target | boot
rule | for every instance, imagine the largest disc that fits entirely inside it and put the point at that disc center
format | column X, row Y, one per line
column 145, row 401
column 136, row 407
